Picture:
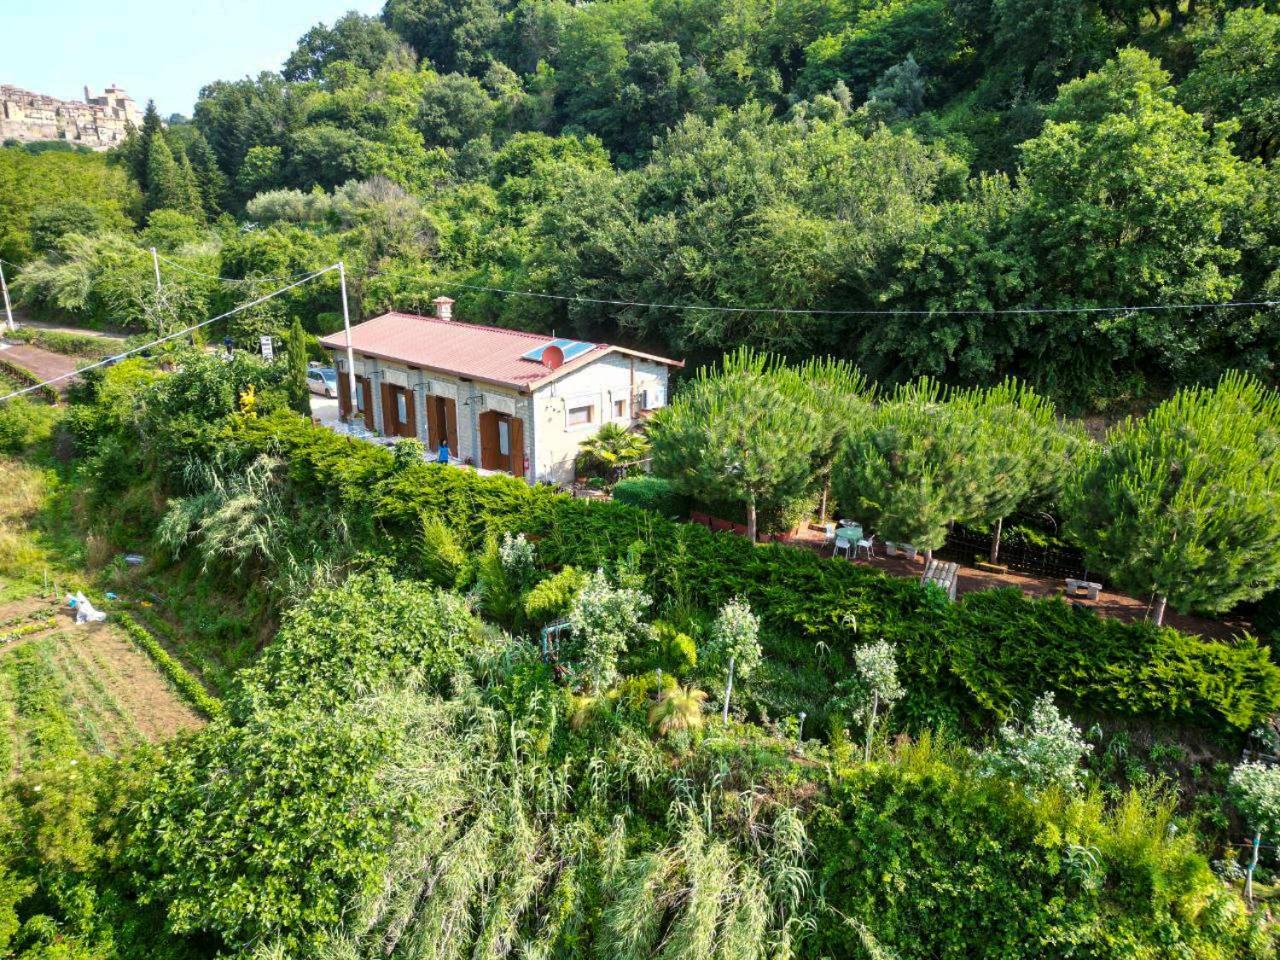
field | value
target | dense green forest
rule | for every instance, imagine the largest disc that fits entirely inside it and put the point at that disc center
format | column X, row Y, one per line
column 886, row 161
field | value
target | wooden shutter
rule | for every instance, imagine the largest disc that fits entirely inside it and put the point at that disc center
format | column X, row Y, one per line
column 366, row 388
column 433, row 423
column 489, row 458
column 344, row 396
column 451, row 424
column 517, row 446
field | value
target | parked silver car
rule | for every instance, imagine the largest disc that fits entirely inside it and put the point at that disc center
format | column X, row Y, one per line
column 323, row 380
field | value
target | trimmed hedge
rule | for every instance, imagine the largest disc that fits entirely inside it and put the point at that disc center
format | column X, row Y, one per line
column 969, row 662
column 651, row 493
column 192, row 690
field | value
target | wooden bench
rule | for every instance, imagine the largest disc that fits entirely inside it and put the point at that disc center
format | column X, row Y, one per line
column 941, row 574
column 1083, row 588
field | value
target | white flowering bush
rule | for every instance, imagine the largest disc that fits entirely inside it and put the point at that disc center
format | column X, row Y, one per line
column 872, row 689
column 517, row 557
column 735, row 644
column 1043, row 752
column 604, row 621
column 1255, row 788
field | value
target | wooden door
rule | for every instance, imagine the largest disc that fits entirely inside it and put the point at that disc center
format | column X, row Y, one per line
column 433, row 423
column 366, row 392
column 344, row 396
column 490, row 459
column 516, row 426
column 449, row 422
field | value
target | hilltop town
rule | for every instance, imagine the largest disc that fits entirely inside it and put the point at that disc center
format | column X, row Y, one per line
column 99, row 122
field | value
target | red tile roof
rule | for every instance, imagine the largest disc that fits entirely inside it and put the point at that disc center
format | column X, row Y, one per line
column 491, row 354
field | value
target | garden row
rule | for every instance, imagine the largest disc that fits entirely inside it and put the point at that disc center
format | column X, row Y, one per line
column 964, row 663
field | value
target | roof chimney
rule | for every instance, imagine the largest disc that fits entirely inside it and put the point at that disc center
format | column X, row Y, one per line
column 444, row 308
column 552, row 356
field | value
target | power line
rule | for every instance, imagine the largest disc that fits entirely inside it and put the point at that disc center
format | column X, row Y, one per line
column 861, row 313
column 116, row 358
column 242, row 280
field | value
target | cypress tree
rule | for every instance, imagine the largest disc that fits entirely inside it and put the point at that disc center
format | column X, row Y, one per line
column 210, row 179
column 188, row 188
column 296, row 384
column 151, row 129
column 164, row 179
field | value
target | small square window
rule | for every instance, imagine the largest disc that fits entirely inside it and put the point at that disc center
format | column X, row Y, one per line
column 580, row 416
column 619, row 409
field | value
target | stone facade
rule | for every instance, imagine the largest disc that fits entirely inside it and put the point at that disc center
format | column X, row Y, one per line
column 99, row 123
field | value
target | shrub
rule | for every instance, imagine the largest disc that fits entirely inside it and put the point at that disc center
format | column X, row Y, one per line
column 443, row 560
column 551, row 598
column 24, row 424
column 368, row 632
column 652, row 493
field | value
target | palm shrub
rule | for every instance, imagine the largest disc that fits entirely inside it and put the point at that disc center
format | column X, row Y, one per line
column 913, row 467
column 739, row 437
column 611, row 449
column 443, row 560
column 678, row 710
column 1184, row 504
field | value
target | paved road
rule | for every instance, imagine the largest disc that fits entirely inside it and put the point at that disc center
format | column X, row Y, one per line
column 324, row 409
column 45, row 364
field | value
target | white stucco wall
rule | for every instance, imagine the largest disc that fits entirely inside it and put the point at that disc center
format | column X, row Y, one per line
column 611, row 378
column 550, row 443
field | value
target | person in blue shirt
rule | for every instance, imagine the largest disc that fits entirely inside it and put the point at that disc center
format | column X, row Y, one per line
column 443, row 455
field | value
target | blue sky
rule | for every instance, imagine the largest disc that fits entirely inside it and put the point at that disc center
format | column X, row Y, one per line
column 160, row 49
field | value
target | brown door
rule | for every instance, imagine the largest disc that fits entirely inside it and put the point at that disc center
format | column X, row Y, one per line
column 366, row 393
column 494, row 428
column 449, row 421
column 344, row 396
column 490, row 459
column 394, row 424
column 442, row 423
column 516, row 426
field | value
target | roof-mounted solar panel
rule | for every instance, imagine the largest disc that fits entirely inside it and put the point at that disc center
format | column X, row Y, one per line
column 570, row 349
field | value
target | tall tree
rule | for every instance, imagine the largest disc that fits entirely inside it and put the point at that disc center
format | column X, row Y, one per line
column 165, row 185
column 358, row 39
column 1129, row 201
column 1024, row 453
column 296, row 383
column 913, row 467
column 737, row 437
column 1184, row 503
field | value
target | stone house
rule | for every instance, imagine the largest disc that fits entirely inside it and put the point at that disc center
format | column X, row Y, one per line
column 99, row 124
column 505, row 400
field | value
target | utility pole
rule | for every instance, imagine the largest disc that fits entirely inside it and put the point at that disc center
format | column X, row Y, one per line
column 351, row 356
column 155, row 262
column 8, row 308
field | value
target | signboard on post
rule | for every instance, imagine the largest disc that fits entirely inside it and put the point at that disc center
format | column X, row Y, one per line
column 268, row 349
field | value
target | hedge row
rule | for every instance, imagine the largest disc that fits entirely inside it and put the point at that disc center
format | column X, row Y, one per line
column 967, row 662
column 192, row 690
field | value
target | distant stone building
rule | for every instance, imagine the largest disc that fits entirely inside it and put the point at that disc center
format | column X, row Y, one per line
column 98, row 124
